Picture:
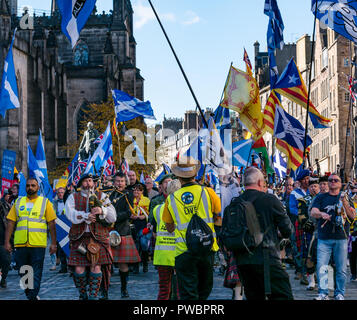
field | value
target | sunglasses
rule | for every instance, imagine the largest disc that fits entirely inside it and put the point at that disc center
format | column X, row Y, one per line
column 333, row 180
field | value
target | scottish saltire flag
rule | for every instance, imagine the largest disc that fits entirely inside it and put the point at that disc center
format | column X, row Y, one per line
column 289, row 129
column 63, row 225
column 75, row 14
column 165, row 170
column 291, row 85
column 103, row 152
column 196, row 152
column 295, row 173
column 138, row 153
column 338, row 15
column 9, row 97
column 276, row 24
column 35, row 171
column 222, row 118
column 279, row 165
column 22, row 186
column 241, row 152
column 128, row 107
column 142, row 178
column 41, row 156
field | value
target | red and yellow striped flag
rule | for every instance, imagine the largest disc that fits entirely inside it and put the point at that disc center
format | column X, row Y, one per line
column 269, row 112
column 114, row 128
column 295, row 156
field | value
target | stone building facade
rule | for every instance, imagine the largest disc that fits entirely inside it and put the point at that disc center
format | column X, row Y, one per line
column 330, row 95
column 56, row 83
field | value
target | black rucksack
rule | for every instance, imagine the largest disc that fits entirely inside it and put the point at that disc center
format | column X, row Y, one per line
column 241, row 230
column 199, row 236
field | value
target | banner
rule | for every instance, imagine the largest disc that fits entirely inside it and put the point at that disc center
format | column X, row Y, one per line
column 7, row 170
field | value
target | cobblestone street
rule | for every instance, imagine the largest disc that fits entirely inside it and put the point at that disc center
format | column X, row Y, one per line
column 143, row 286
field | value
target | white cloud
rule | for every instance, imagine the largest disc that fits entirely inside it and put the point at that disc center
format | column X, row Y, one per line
column 192, row 18
column 144, row 14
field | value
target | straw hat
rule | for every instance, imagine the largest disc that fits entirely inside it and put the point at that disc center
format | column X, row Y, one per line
column 186, row 167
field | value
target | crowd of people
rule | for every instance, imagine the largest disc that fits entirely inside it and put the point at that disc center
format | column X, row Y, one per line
column 118, row 222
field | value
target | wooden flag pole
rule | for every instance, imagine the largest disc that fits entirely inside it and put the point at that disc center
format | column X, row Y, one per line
column 179, row 63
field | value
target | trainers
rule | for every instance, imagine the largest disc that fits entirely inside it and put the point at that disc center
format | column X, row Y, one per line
column 339, row 297
column 53, row 268
column 322, row 296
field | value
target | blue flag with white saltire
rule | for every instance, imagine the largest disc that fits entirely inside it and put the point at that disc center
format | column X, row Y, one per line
column 195, row 151
column 41, row 156
column 279, row 165
column 102, row 153
column 35, row 172
column 276, row 25
column 222, row 118
column 289, row 129
column 142, row 178
column 138, row 153
column 9, row 97
column 22, row 186
column 128, row 107
column 63, row 225
column 241, row 152
column 295, row 174
column 165, row 170
column 75, row 14
column 338, row 15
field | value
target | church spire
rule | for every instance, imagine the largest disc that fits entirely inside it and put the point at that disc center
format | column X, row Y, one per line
column 118, row 20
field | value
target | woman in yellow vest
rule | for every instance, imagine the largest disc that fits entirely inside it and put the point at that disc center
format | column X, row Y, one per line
column 164, row 254
column 30, row 217
column 194, row 273
column 140, row 219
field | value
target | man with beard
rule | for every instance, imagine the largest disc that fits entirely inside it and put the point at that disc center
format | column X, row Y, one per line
column 31, row 217
column 126, row 252
column 89, row 238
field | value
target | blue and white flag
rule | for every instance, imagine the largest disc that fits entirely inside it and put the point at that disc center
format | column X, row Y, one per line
column 138, row 153
column 35, row 172
column 9, row 97
column 75, row 14
column 41, row 156
column 102, row 153
column 289, row 129
column 241, row 152
column 165, row 170
column 142, row 178
column 338, row 15
column 128, row 107
column 196, row 152
column 276, row 25
column 63, row 225
column 279, row 165
column 22, row 184
column 222, row 118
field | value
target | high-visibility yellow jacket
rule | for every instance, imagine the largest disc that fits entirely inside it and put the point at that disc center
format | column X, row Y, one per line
column 31, row 226
column 182, row 204
column 164, row 254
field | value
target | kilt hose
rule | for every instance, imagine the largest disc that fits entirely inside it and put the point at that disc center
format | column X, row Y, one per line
column 76, row 259
column 126, row 252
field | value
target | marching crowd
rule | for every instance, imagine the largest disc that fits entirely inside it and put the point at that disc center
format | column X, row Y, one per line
column 119, row 222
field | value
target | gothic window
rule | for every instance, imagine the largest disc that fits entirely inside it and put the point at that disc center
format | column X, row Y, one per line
column 81, row 54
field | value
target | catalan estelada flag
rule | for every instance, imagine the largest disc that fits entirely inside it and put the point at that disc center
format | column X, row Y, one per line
column 241, row 94
column 269, row 112
column 291, row 85
column 295, row 156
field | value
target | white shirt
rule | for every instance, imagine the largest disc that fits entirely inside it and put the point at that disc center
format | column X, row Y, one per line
column 109, row 213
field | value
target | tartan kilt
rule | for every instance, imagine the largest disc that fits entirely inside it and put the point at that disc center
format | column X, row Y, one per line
column 126, row 252
column 76, row 259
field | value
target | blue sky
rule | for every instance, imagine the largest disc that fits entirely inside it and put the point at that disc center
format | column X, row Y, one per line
column 207, row 35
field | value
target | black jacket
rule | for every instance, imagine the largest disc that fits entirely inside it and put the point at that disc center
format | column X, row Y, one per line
column 4, row 210
column 270, row 212
column 122, row 224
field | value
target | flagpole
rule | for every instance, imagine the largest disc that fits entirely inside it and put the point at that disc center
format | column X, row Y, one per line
column 226, row 83
column 179, row 63
column 309, row 90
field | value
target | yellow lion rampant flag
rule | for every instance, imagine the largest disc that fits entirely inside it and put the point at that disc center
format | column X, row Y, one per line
column 241, row 94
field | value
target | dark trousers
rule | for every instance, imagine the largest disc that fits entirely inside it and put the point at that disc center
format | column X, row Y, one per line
column 165, row 279
column 194, row 276
column 5, row 260
column 62, row 256
column 353, row 258
column 33, row 257
column 252, row 277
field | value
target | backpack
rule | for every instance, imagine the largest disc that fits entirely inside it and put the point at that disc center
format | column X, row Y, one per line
column 241, row 230
column 199, row 236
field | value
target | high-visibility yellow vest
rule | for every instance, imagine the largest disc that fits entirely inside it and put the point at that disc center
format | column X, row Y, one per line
column 164, row 254
column 183, row 204
column 31, row 226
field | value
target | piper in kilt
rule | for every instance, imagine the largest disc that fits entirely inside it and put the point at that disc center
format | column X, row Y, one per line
column 89, row 234
column 126, row 252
